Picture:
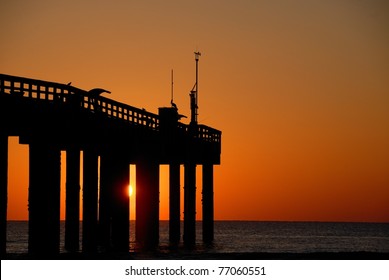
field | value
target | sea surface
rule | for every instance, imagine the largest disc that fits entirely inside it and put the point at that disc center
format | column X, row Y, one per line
column 255, row 237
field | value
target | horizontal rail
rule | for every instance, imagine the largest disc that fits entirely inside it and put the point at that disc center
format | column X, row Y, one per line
column 126, row 112
column 60, row 93
column 208, row 134
column 67, row 94
column 35, row 89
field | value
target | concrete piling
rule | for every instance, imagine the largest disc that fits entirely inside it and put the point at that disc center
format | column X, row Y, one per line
column 90, row 193
column 44, row 199
column 147, row 204
column 208, row 206
column 3, row 192
column 174, row 203
column 190, row 205
column 72, row 211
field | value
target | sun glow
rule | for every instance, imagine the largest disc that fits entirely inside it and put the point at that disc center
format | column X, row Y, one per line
column 130, row 190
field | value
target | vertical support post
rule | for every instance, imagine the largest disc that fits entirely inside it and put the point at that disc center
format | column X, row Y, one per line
column 3, row 192
column 72, row 212
column 190, row 204
column 105, row 201
column 114, row 205
column 174, row 203
column 208, row 208
column 44, row 199
column 121, row 206
column 147, row 204
column 90, row 191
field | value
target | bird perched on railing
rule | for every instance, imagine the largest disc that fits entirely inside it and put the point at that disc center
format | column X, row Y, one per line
column 97, row 92
column 173, row 104
column 93, row 95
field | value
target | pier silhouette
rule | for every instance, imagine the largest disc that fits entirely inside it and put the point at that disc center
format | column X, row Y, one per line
column 53, row 117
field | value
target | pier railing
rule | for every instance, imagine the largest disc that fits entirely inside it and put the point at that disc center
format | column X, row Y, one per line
column 66, row 94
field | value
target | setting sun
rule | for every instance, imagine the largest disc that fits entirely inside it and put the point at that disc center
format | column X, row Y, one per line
column 130, row 190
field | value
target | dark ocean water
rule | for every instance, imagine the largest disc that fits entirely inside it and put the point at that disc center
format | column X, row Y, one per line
column 257, row 237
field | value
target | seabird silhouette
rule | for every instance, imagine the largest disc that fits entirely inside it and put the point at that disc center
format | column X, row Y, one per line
column 93, row 97
column 97, row 92
column 173, row 104
column 181, row 116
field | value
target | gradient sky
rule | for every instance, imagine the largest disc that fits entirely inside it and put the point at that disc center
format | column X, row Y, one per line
column 300, row 90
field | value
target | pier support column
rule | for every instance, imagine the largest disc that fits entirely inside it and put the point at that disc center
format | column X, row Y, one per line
column 90, row 190
column 44, row 199
column 190, row 204
column 72, row 212
column 105, row 201
column 121, row 206
column 174, row 203
column 114, row 203
column 3, row 192
column 208, row 208
column 147, row 204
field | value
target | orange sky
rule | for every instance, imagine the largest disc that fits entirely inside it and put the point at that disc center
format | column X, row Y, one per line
column 300, row 90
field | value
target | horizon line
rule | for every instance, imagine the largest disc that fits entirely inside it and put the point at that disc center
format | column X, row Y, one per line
column 263, row 221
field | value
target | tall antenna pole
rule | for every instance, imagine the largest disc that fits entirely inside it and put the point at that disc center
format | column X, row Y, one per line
column 194, row 96
column 197, row 56
column 172, row 97
column 172, row 88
